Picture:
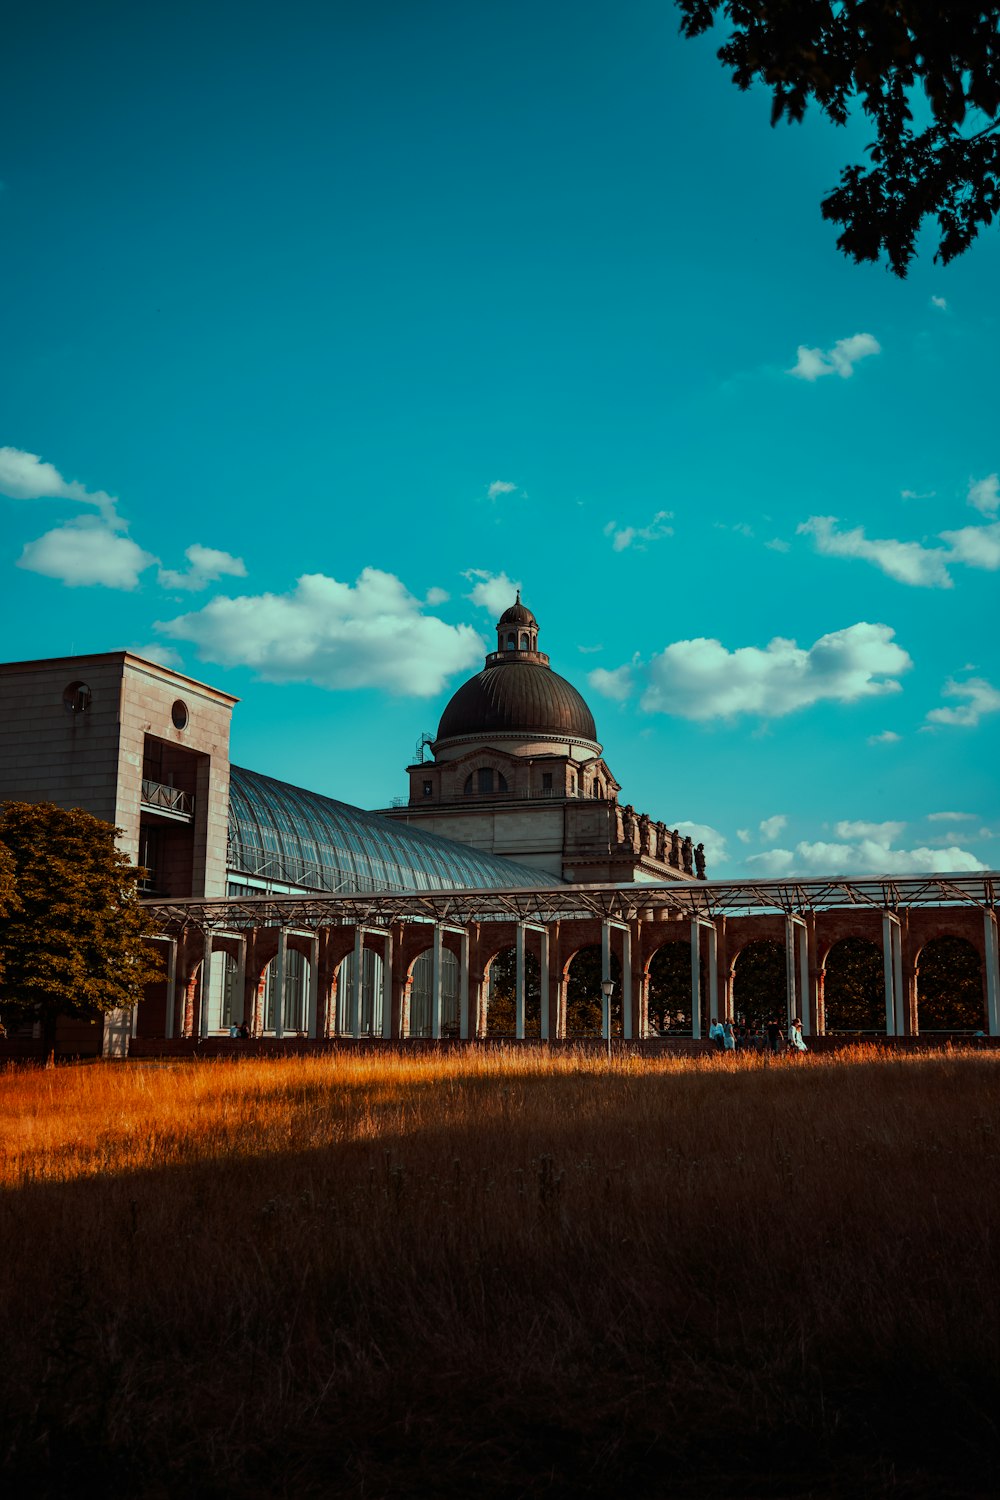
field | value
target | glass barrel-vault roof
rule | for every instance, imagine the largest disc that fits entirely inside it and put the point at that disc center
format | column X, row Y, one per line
column 283, row 833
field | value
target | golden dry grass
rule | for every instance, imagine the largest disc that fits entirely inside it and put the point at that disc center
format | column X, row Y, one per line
column 502, row 1273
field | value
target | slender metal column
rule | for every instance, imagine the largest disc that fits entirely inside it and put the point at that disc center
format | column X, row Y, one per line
column 897, row 978
column 313, row 1011
column 463, row 985
column 543, row 978
column 992, row 952
column 205, row 997
column 279, row 983
column 240, row 983
column 605, row 974
column 695, row 979
column 790, row 995
column 519, row 982
column 171, row 1010
column 627, row 984
column 890, row 1009
column 436, row 977
column 805, row 999
column 357, row 981
column 387, row 988
column 713, row 969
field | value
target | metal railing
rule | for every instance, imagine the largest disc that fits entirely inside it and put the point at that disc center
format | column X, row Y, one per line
column 168, row 799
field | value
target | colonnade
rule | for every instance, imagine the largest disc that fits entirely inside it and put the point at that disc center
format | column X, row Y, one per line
column 715, row 944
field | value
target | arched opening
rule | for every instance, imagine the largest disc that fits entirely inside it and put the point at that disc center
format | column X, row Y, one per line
column 950, row 986
column 524, row 640
column 511, row 642
column 854, row 987
column 371, row 994
column 225, row 1007
column 759, row 983
column 669, row 993
column 421, row 994
column 501, row 995
column 295, row 1018
column 484, row 782
column 584, row 999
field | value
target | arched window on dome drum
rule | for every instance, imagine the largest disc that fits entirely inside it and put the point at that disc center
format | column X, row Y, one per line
column 524, row 640
column 511, row 642
column 483, row 782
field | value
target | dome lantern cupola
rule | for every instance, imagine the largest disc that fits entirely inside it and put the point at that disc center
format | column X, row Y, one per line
column 517, row 629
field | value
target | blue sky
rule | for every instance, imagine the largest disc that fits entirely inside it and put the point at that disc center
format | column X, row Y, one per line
column 321, row 324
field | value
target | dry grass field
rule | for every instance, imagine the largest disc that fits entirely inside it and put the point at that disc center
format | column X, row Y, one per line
column 502, row 1274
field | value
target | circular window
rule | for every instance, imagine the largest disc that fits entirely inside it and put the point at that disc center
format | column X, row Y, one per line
column 179, row 715
column 76, row 698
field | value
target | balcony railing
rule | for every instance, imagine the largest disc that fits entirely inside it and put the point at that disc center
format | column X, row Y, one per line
column 167, row 799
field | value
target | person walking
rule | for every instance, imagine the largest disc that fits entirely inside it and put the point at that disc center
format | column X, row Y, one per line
column 795, row 1041
column 728, row 1037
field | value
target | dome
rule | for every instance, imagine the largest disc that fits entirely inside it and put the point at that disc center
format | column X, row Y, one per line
column 518, row 614
column 518, row 697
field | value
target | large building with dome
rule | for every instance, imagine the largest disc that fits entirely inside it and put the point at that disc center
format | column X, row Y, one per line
column 294, row 914
column 516, row 770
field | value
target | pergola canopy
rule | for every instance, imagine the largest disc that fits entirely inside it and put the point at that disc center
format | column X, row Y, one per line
column 623, row 903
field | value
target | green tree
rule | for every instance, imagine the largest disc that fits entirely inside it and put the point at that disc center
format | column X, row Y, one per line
column 901, row 60
column 501, row 1011
column 854, row 988
column 759, row 982
column 72, row 943
column 585, row 999
column 950, row 986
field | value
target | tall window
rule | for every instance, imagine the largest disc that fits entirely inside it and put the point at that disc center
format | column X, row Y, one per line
column 546, row 781
column 524, row 641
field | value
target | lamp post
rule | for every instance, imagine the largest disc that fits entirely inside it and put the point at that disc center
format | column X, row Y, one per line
column 608, row 989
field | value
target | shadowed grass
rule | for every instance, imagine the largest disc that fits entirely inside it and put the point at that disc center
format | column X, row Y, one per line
column 502, row 1273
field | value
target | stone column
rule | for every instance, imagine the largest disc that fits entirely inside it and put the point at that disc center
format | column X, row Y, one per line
column 519, row 982
column 889, row 970
column 544, row 994
column 463, row 985
column 279, row 983
column 626, row 984
column 171, row 1003
column 605, row 974
column 436, row 967
column 695, row 979
column 991, row 954
column 357, row 981
column 387, row 987
column 312, row 1014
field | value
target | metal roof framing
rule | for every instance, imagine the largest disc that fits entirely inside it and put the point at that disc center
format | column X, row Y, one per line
column 623, row 903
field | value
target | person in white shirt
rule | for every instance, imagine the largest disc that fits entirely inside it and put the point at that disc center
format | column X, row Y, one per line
column 716, row 1033
column 795, row 1036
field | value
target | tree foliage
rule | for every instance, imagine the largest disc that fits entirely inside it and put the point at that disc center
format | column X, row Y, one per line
column 759, row 982
column 584, row 998
column 950, row 986
column 501, row 1011
column 901, row 60
column 854, row 988
column 72, row 942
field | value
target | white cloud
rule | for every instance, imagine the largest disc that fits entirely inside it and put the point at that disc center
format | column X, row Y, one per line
column 984, row 494
column 501, row 487
column 205, row 565
column 981, row 698
column 700, row 679
column 87, row 552
column 863, row 857
column 917, row 494
column 158, row 652
column 714, row 841
column 617, row 685
column 940, row 303
column 435, row 596
column 952, row 817
column 887, row 737
column 770, row 828
column 589, row 650
column 25, row 476
column 840, row 360
column 625, row 536
column 881, row 833
column 908, row 562
column 491, row 591
column 976, row 546
column 338, row 635
column 778, row 544
column 743, row 834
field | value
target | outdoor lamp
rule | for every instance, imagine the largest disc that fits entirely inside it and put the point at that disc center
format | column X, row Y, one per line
column 608, row 989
